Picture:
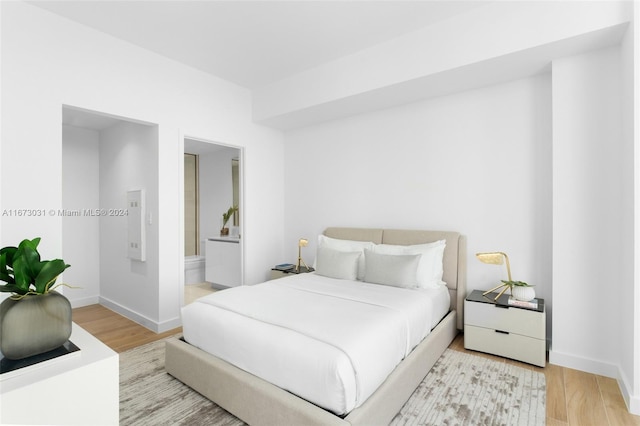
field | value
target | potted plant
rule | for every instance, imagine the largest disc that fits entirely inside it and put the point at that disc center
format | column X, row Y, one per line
column 225, row 218
column 521, row 290
column 35, row 318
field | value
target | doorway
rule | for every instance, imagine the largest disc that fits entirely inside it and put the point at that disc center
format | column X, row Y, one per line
column 212, row 185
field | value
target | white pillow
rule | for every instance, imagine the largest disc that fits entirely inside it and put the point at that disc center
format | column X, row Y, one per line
column 347, row 246
column 337, row 264
column 430, row 268
column 398, row 270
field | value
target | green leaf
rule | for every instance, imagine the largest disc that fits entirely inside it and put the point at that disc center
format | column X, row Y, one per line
column 11, row 288
column 4, row 272
column 25, row 254
column 226, row 216
column 32, row 260
column 516, row 283
column 31, row 243
column 21, row 274
column 4, row 276
column 48, row 274
column 23, row 270
column 9, row 253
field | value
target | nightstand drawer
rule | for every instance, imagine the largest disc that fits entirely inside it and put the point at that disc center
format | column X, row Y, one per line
column 508, row 319
column 515, row 346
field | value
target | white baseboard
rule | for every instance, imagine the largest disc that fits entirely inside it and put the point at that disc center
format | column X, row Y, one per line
column 583, row 364
column 155, row 326
column 132, row 315
column 85, row 301
column 634, row 405
column 603, row 369
column 632, row 401
column 169, row 325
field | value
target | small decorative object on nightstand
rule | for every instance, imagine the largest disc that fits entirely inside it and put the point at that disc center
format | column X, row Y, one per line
column 302, row 242
column 283, row 270
column 522, row 291
column 496, row 258
column 501, row 326
column 519, row 289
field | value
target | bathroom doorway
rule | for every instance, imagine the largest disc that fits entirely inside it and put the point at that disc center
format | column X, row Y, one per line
column 212, row 185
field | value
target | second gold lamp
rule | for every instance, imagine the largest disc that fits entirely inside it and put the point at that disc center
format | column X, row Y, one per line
column 302, row 242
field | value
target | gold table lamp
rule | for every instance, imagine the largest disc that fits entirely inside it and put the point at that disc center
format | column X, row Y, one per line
column 496, row 258
column 301, row 243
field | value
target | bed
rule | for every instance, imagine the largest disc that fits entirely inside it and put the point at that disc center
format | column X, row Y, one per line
column 259, row 401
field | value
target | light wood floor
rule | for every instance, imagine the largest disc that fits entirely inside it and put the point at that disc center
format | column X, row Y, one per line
column 114, row 330
column 574, row 398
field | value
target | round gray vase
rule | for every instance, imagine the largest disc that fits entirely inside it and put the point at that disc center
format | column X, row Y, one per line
column 34, row 324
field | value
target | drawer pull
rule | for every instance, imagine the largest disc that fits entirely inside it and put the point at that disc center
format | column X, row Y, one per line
column 502, row 332
column 501, row 306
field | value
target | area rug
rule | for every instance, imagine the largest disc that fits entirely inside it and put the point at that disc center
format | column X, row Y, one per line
column 461, row 389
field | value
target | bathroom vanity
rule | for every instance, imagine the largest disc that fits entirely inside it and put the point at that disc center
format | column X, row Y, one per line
column 223, row 265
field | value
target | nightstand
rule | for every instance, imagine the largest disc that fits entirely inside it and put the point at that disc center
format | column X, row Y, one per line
column 278, row 273
column 497, row 328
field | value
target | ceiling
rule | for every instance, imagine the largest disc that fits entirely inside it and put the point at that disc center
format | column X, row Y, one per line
column 254, row 43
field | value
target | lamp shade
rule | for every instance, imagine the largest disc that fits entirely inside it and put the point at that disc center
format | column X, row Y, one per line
column 495, row 258
column 303, row 242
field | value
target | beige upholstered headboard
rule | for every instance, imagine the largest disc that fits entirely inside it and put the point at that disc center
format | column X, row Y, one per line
column 454, row 261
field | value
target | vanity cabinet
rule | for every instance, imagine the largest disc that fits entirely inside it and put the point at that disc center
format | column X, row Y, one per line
column 223, row 264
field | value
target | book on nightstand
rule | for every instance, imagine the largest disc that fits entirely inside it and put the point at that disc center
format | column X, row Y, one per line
column 284, row 267
column 531, row 304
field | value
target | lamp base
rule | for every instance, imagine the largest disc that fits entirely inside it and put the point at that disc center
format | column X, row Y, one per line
column 298, row 265
column 506, row 287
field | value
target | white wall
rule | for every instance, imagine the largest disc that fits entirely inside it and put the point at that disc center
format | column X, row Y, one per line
column 80, row 245
column 588, row 201
column 128, row 161
column 477, row 162
column 595, row 169
column 632, row 106
column 48, row 61
column 630, row 316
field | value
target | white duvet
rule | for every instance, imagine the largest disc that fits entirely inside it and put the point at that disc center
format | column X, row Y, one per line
column 331, row 342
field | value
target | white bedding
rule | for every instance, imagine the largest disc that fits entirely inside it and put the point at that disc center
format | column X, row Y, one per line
column 332, row 342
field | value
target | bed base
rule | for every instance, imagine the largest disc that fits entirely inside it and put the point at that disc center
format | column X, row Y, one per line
column 259, row 402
